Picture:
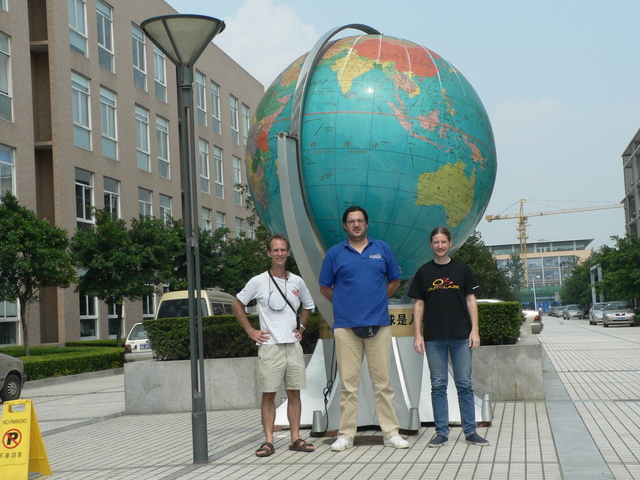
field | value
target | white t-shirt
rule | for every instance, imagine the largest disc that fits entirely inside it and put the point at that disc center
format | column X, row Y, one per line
column 275, row 315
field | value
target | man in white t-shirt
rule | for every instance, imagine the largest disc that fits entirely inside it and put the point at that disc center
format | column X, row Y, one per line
column 279, row 294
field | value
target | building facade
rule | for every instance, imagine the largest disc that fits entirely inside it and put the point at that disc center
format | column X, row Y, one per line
column 89, row 118
column 549, row 264
column 631, row 168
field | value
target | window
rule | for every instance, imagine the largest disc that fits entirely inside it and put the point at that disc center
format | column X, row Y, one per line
column 104, row 16
column 162, row 136
column 215, row 107
column 6, row 93
column 3, row 6
column 221, row 220
column 235, row 134
column 80, row 104
column 160, row 73
column 201, row 96
column 113, row 320
column 166, row 213
column 88, row 317
column 144, row 203
column 246, row 124
column 84, row 198
column 142, row 138
column 205, row 181
column 108, row 119
column 237, row 180
column 239, row 226
column 149, row 306
column 251, row 233
column 8, row 323
column 139, row 60
column 7, row 169
column 206, row 219
column 217, row 158
column 112, row 196
column 78, row 26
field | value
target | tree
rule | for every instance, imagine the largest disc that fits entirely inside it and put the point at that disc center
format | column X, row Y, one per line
column 515, row 268
column 493, row 281
column 577, row 287
column 33, row 255
column 620, row 272
column 118, row 263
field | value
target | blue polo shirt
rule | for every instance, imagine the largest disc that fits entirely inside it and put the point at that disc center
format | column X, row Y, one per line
column 359, row 282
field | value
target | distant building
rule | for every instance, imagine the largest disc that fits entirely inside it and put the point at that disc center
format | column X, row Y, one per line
column 631, row 166
column 89, row 118
column 549, row 264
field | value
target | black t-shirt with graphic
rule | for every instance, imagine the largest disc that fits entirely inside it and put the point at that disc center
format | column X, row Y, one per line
column 444, row 289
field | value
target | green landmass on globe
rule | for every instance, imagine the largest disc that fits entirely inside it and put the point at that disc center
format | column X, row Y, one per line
column 388, row 125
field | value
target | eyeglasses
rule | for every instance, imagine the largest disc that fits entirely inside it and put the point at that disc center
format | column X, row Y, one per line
column 357, row 220
column 271, row 304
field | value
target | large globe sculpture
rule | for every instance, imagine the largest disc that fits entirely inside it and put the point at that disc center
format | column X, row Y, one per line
column 388, row 125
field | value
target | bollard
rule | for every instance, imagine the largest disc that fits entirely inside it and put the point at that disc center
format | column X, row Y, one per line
column 316, row 426
column 487, row 411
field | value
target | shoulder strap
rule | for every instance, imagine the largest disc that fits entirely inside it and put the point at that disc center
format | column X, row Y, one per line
column 286, row 299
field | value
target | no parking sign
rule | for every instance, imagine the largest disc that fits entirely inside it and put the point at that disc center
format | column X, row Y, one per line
column 21, row 448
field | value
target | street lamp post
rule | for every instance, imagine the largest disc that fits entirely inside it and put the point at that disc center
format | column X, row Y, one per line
column 183, row 38
column 535, row 299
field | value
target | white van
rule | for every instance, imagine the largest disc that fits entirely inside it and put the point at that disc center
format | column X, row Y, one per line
column 176, row 304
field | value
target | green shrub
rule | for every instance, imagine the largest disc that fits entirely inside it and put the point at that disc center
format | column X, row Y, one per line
column 499, row 323
column 223, row 337
column 72, row 361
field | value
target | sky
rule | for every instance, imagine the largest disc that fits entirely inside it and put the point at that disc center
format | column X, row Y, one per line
column 559, row 80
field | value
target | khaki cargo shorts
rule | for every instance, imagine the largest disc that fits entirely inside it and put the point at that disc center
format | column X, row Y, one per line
column 281, row 362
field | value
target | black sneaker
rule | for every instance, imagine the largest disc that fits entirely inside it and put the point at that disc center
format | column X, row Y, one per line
column 437, row 441
column 476, row 439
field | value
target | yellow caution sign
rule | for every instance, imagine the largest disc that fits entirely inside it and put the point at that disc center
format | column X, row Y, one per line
column 22, row 449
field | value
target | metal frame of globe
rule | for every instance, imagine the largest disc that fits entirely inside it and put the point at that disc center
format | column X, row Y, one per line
column 406, row 367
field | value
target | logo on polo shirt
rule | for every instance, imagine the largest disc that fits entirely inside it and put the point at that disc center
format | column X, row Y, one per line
column 376, row 256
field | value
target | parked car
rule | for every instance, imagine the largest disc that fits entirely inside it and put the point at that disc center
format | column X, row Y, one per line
column 12, row 377
column 137, row 346
column 573, row 311
column 556, row 310
column 595, row 313
column 618, row 313
column 534, row 320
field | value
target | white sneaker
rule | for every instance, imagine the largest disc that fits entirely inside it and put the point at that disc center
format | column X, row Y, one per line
column 342, row 444
column 397, row 442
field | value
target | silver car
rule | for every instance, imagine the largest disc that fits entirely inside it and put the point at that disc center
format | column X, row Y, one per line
column 618, row 313
column 12, row 377
column 595, row 313
column 572, row 311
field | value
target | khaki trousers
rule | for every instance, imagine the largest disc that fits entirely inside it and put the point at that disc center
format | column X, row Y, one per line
column 350, row 350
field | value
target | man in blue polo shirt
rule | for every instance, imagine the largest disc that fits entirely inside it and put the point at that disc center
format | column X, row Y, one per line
column 358, row 276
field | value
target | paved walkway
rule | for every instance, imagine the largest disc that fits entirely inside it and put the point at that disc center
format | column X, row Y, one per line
column 588, row 428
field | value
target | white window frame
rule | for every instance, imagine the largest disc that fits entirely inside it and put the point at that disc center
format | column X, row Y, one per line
column 7, row 169
column 205, row 176
column 9, row 319
column 166, row 208
column 221, row 220
column 80, row 99
column 90, row 315
column 160, row 74
column 233, row 110
column 143, row 155
column 78, row 26
column 104, row 20
column 201, row 97
column 251, row 232
column 109, row 123
column 246, row 123
column 239, row 226
column 162, row 141
column 206, row 219
column 111, row 194
column 6, row 83
column 219, row 171
column 138, row 45
column 145, row 203
column 237, row 180
column 215, row 107
column 84, row 198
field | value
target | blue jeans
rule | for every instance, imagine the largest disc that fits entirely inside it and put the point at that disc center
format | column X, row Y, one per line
column 438, row 352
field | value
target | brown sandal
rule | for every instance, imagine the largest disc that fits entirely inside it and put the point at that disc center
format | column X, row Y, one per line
column 266, row 449
column 301, row 446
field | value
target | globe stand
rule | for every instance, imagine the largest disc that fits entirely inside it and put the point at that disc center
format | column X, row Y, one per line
column 320, row 402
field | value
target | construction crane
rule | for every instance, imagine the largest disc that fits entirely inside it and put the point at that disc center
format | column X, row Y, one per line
column 522, row 226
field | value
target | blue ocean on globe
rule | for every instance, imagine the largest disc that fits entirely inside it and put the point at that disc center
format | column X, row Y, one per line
column 388, row 125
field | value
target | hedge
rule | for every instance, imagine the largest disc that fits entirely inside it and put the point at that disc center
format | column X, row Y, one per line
column 72, row 361
column 499, row 323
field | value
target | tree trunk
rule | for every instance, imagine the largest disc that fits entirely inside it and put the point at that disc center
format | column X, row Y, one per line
column 23, row 322
column 119, row 329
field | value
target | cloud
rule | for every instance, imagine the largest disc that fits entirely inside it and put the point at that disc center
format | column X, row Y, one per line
column 265, row 38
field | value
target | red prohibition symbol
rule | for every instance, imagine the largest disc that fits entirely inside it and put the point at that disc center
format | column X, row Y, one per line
column 12, row 438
